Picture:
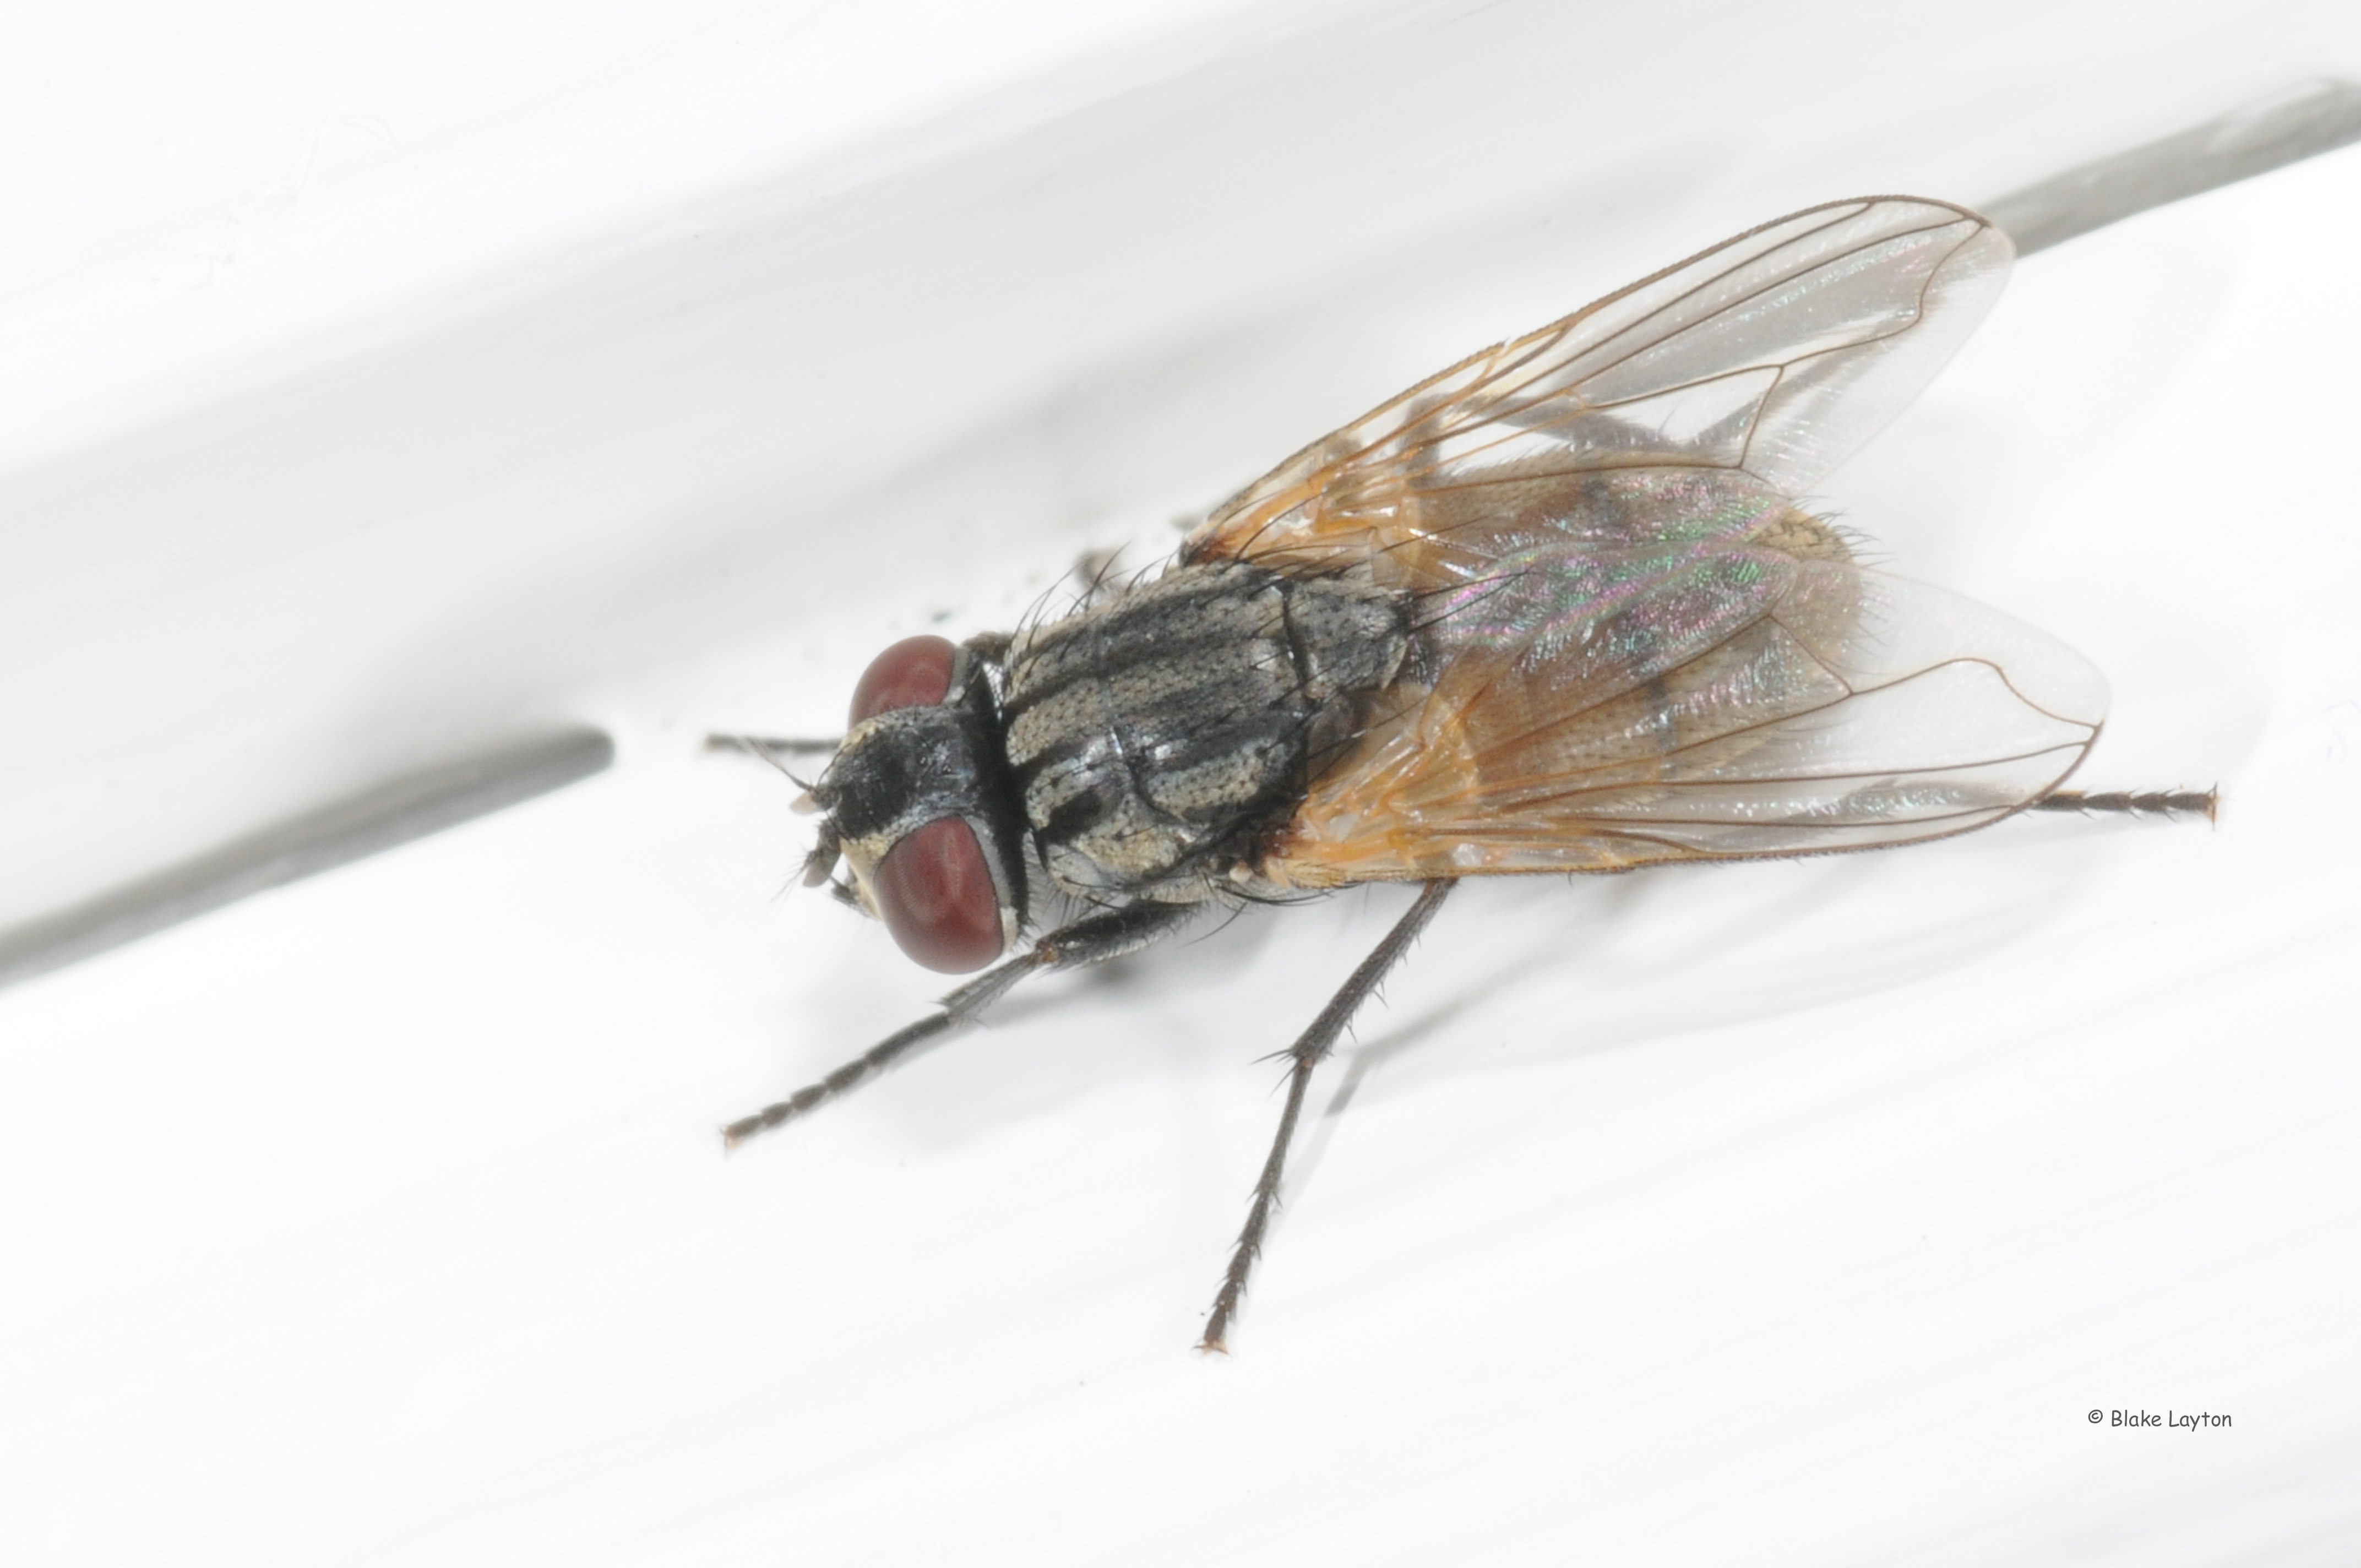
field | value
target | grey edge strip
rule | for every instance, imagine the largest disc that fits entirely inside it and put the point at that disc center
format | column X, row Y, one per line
column 2288, row 127
column 378, row 819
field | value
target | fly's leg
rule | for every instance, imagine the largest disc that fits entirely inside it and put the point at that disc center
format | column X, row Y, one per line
column 767, row 747
column 2153, row 802
column 1088, row 941
column 770, row 748
column 1305, row 1055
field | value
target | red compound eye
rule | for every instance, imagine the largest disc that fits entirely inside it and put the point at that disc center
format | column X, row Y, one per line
column 913, row 673
column 936, row 895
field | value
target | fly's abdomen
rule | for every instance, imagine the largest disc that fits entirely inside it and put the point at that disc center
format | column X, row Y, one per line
column 1156, row 737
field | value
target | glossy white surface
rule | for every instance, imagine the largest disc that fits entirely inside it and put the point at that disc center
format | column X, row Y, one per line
column 1796, row 1212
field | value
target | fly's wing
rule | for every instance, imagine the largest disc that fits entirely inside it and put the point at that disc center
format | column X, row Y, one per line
column 1633, row 647
column 1774, row 355
column 1681, row 665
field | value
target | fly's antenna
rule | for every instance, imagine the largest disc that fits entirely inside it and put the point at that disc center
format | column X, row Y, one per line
column 819, row 866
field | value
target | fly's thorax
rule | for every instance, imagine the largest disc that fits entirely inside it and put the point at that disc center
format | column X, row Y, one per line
column 1156, row 740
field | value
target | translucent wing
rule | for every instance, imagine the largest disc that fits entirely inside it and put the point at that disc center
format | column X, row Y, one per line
column 1634, row 647
column 1776, row 354
column 1654, row 665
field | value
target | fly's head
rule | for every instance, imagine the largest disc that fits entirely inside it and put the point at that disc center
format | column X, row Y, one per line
column 918, row 805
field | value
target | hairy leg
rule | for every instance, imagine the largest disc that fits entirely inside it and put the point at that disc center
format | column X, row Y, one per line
column 1088, row 941
column 2153, row 803
column 1306, row 1054
column 767, row 747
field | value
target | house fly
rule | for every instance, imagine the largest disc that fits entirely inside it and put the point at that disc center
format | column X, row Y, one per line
column 1554, row 610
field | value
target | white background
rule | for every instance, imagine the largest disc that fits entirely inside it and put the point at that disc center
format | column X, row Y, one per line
column 375, row 389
